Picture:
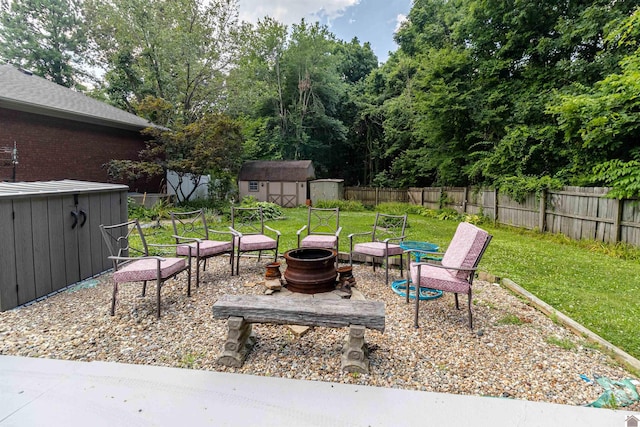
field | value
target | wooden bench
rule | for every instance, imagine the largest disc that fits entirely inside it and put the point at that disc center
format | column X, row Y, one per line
column 243, row 310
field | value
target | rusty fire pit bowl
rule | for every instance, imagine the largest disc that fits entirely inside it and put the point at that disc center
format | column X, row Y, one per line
column 310, row 270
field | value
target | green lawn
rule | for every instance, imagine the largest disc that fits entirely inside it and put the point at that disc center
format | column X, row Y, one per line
column 600, row 291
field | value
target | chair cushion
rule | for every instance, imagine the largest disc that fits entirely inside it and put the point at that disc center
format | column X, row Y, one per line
column 465, row 248
column 255, row 242
column 145, row 269
column 439, row 278
column 319, row 241
column 207, row 248
column 378, row 249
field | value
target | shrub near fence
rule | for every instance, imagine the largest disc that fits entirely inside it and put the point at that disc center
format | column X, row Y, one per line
column 577, row 212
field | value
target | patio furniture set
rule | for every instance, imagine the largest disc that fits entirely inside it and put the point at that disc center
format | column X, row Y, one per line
column 428, row 270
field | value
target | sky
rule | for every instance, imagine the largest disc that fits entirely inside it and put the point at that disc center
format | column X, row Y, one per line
column 372, row 21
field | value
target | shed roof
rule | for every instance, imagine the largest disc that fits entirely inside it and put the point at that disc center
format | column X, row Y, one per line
column 277, row 170
column 23, row 91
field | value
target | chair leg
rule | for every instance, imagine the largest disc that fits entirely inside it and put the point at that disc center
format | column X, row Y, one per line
column 386, row 270
column 417, row 291
column 259, row 256
column 238, row 263
column 197, row 274
column 457, row 306
column 113, row 298
column 144, row 288
column 401, row 265
column 231, row 261
column 159, row 284
column 470, row 313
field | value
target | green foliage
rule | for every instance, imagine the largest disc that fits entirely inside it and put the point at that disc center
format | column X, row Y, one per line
column 563, row 343
column 510, row 319
column 519, row 187
column 344, row 205
column 398, row 208
column 623, row 177
column 270, row 211
column 211, row 144
column 47, row 37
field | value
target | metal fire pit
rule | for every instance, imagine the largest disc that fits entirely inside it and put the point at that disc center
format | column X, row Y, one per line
column 311, row 270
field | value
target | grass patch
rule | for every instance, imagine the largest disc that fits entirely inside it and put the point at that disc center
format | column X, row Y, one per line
column 510, row 319
column 564, row 343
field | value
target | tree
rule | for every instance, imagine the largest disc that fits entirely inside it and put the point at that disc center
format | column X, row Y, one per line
column 175, row 50
column 210, row 145
column 47, row 37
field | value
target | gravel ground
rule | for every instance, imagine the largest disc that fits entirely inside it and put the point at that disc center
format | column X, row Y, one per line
column 508, row 354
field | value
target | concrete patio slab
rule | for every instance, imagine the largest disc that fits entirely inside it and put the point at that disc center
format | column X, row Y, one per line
column 36, row 392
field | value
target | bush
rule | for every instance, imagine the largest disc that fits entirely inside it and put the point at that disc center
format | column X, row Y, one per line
column 269, row 210
column 399, row 208
column 344, row 205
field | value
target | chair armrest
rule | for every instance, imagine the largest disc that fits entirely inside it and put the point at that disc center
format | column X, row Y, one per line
column 338, row 231
column 129, row 258
column 186, row 239
column 469, row 269
column 304, row 227
column 211, row 230
column 391, row 239
column 360, row 234
column 272, row 229
column 235, row 232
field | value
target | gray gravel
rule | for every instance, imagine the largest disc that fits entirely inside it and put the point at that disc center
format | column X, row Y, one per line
column 499, row 358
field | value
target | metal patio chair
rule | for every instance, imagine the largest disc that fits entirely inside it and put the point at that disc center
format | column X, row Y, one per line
column 455, row 272
column 132, row 261
column 247, row 225
column 386, row 235
column 322, row 229
column 192, row 239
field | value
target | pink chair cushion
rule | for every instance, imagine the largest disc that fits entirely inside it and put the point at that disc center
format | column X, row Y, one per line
column 378, row 249
column 319, row 241
column 207, row 248
column 465, row 248
column 255, row 242
column 439, row 278
column 146, row 269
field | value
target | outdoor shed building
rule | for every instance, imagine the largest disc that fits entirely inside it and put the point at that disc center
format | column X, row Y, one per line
column 283, row 182
column 60, row 133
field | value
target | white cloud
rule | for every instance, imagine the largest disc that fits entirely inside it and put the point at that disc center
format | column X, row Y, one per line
column 291, row 11
column 399, row 20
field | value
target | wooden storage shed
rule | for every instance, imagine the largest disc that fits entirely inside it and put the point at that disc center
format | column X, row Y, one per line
column 51, row 237
column 283, row 182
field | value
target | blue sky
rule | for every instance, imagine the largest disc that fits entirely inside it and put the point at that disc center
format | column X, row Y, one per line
column 374, row 21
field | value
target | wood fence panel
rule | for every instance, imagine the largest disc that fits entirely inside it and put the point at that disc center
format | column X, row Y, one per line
column 415, row 196
column 454, row 197
column 488, row 203
column 630, row 228
column 432, row 198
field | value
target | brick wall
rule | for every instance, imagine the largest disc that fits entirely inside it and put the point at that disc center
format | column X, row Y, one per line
column 52, row 149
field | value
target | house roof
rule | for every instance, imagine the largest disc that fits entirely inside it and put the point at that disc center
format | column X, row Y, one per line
column 23, row 91
column 277, row 170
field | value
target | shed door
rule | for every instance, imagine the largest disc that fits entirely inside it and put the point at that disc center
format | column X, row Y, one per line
column 284, row 194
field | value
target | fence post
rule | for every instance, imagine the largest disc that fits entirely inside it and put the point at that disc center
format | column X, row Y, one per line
column 464, row 199
column 421, row 196
column 617, row 219
column 542, row 219
column 377, row 197
column 495, row 206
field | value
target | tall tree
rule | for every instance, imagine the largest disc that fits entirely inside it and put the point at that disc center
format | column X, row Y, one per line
column 47, row 37
column 175, row 50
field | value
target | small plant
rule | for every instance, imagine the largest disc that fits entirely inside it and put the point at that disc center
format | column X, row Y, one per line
column 564, row 343
column 189, row 360
column 510, row 319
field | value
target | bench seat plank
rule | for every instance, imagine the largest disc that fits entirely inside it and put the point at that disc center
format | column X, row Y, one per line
column 301, row 311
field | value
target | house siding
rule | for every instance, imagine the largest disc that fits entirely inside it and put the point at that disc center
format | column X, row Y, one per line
column 54, row 149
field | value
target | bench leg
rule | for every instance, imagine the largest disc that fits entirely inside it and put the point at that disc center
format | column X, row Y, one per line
column 239, row 342
column 355, row 356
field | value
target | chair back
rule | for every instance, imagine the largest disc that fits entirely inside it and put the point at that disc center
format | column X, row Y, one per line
column 190, row 224
column 466, row 248
column 389, row 227
column 247, row 220
column 124, row 240
column 323, row 221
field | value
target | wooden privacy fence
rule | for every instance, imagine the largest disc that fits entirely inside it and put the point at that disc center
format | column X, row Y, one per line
column 577, row 212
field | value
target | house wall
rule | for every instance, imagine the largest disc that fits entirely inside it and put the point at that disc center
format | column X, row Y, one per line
column 53, row 149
